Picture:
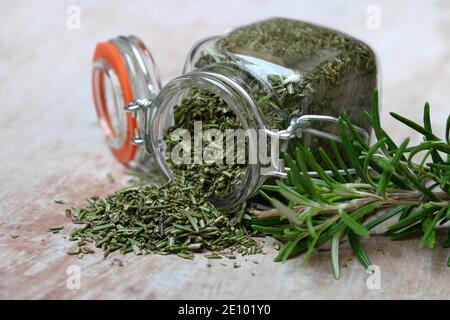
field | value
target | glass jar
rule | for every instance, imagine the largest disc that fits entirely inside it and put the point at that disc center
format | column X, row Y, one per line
column 291, row 79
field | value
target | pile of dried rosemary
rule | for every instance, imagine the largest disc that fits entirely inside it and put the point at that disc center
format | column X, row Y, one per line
column 175, row 218
column 172, row 219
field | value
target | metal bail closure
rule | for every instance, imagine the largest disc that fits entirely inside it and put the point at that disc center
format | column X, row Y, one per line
column 125, row 81
column 303, row 125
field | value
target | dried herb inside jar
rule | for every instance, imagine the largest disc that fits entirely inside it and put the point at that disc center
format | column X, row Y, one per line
column 216, row 178
column 292, row 68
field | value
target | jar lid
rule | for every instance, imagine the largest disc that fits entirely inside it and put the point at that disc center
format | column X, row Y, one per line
column 123, row 71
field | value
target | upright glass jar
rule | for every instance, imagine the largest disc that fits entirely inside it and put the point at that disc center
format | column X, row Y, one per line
column 290, row 78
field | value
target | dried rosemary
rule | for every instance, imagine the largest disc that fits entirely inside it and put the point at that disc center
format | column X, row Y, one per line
column 213, row 112
column 292, row 68
column 174, row 218
column 289, row 68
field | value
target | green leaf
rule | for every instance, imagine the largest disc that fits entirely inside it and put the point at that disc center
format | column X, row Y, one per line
column 426, row 117
column 445, row 181
column 292, row 195
column 407, row 174
column 269, row 187
column 427, row 125
column 447, row 132
column 447, row 242
column 359, row 249
column 429, row 225
column 406, row 212
column 368, row 158
column 336, row 174
column 335, row 255
column 353, row 224
column 430, row 237
column 317, row 167
column 441, row 166
column 269, row 221
column 268, row 229
column 406, row 232
column 340, row 161
column 305, row 178
column 353, row 155
column 374, row 119
column 311, row 246
column 384, row 163
column 385, row 216
column 411, row 219
column 399, row 181
column 309, row 223
column 288, row 250
column 340, row 225
column 387, row 173
column 265, row 196
column 433, row 145
column 413, row 125
column 355, row 134
column 295, row 177
column 285, row 211
column 375, row 116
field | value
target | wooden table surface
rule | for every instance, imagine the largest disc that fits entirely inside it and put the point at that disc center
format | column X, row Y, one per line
column 51, row 147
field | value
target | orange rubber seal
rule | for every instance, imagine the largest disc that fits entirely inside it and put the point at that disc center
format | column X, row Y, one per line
column 111, row 55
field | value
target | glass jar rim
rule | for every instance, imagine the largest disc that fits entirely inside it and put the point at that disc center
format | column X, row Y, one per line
column 124, row 69
column 238, row 100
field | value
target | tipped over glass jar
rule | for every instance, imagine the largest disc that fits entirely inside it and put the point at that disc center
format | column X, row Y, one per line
column 287, row 78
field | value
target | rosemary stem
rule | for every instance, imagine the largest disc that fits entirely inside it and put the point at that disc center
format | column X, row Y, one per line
column 394, row 199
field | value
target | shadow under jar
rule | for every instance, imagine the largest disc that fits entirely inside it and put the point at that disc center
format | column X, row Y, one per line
column 287, row 78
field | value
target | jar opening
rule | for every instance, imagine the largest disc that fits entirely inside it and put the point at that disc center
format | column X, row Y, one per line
column 123, row 72
column 187, row 132
column 110, row 100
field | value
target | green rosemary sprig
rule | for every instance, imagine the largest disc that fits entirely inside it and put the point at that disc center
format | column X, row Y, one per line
column 411, row 182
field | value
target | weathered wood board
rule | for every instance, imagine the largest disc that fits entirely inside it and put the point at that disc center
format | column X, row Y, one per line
column 51, row 148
